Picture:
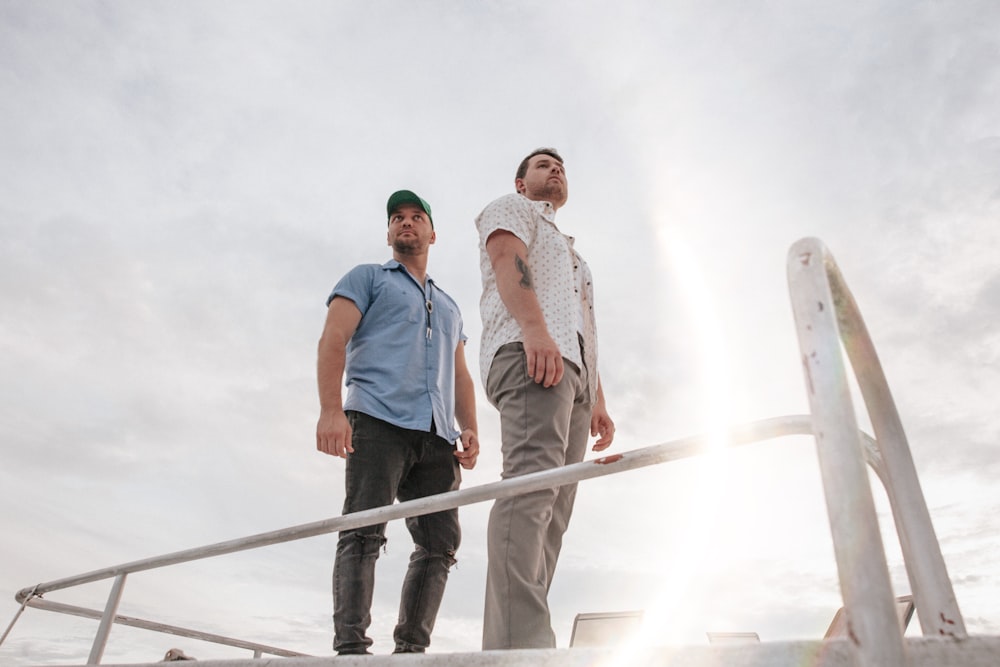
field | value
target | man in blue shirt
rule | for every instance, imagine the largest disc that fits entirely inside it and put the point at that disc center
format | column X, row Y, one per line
column 399, row 339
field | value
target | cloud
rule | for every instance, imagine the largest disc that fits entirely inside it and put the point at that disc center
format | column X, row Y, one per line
column 182, row 186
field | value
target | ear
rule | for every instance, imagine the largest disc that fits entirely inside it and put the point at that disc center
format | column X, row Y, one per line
column 519, row 185
column 387, row 241
column 434, row 236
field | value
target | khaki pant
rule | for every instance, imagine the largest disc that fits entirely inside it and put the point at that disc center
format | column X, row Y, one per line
column 540, row 429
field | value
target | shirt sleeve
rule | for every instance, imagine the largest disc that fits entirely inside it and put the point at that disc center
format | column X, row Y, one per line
column 512, row 213
column 356, row 285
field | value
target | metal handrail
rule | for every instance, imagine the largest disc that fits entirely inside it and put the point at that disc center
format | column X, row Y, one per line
column 630, row 460
column 639, row 458
column 827, row 316
column 165, row 628
column 607, row 465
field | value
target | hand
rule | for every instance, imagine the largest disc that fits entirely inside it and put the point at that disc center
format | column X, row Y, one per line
column 545, row 362
column 468, row 453
column 333, row 434
column 601, row 424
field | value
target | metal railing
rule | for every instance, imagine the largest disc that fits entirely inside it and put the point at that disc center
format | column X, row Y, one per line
column 640, row 458
column 825, row 315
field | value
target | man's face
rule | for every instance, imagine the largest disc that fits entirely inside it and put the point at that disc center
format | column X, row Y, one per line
column 410, row 230
column 545, row 180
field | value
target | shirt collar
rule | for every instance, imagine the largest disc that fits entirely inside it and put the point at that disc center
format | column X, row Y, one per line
column 548, row 213
column 394, row 265
column 544, row 208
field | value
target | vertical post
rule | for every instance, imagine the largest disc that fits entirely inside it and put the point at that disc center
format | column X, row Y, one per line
column 24, row 603
column 104, row 629
column 257, row 653
column 934, row 596
column 857, row 542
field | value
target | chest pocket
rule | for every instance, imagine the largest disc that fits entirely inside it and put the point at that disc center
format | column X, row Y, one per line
column 445, row 314
column 399, row 303
column 414, row 307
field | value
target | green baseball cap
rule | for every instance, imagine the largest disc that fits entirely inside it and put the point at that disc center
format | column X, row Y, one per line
column 400, row 197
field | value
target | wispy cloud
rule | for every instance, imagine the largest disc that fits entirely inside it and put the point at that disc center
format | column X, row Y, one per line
column 181, row 186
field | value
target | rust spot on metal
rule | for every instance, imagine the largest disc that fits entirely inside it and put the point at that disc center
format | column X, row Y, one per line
column 944, row 632
column 604, row 460
column 805, row 258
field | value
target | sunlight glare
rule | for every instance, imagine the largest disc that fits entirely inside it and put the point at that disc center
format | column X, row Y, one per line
column 693, row 549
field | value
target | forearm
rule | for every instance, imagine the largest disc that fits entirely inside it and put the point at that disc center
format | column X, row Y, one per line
column 332, row 359
column 600, row 392
column 515, row 282
column 333, row 432
column 516, row 287
column 465, row 412
column 465, row 403
column 601, row 423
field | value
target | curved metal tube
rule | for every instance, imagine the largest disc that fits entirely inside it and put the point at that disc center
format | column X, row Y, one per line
column 826, row 314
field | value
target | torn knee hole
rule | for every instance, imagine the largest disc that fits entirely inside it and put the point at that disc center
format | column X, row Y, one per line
column 370, row 543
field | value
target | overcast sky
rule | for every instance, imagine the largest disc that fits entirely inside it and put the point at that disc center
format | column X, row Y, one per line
column 181, row 185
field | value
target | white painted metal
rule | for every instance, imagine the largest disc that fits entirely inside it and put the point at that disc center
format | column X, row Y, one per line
column 825, row 314
column 17, row 615
column 107, row 620
column 857, row 543
column 669, row 451
column 922, row 652
column 153, row 626
column 936, row 605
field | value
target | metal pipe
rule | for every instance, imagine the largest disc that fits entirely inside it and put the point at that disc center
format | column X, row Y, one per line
column 17, row 615
column 826, row 315
column 744, row 434
column 677, row 449
column 936, row 605
column 639, row 458
column 860, row 555
column 104, row 629
column 153, row 626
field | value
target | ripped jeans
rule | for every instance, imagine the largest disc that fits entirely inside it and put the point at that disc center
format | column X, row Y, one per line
column 389, row 462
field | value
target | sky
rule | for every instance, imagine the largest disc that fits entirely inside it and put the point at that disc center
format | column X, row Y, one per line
column 181, row 185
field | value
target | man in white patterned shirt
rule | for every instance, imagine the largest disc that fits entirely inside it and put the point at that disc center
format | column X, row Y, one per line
column 539, row 366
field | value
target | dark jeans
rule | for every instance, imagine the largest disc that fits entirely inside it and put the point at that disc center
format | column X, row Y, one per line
column 389, row 462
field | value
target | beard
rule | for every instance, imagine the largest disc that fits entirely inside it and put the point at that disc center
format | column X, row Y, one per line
column 551, row 191
column 407, row 246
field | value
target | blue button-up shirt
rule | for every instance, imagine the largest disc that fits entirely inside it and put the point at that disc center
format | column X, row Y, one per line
column 401, row 359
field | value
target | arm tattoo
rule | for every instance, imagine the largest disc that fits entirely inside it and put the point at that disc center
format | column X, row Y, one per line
column 526, row 280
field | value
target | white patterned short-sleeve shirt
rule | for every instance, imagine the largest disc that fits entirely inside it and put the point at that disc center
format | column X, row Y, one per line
column 557, row 272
